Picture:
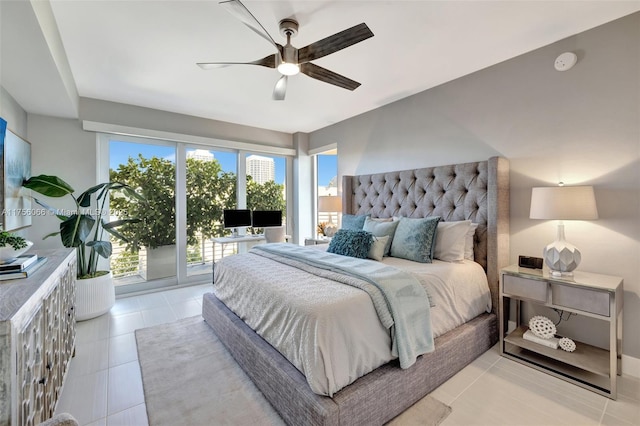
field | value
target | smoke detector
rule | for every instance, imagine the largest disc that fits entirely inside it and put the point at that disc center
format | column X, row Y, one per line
column 566, row 61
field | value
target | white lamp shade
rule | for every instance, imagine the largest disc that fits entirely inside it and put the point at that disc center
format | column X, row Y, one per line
column 329, row 203
column 563, row 203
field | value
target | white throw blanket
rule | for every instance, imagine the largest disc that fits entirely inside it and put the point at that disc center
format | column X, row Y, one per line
column 400, row 300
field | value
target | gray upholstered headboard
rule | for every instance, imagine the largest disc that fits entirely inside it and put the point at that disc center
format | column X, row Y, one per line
column 471, row 191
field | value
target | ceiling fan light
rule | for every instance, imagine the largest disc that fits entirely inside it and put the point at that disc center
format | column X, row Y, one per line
column 286, row 68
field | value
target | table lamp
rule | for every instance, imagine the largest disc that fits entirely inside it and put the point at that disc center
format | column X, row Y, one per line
column 562, row 203
column 330, row 204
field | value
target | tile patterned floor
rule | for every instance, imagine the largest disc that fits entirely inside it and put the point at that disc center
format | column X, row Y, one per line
column 104, row 387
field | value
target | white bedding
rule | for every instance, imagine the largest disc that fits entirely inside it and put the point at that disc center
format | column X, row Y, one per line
column 460, row 291
column 328, row 330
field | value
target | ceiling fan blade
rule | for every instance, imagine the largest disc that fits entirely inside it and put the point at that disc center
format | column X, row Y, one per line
column 281, row 89
column 323, row 74
column 267, row 61
column 240, row 11
column 333, row 43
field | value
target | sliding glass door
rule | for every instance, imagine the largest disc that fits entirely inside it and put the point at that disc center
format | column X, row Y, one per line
column 186, row 188
column 266, row 184
column 211, row 187
column 150, row 247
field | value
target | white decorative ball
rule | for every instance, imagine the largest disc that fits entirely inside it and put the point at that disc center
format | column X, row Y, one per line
column 542, row 327
column 567, row 344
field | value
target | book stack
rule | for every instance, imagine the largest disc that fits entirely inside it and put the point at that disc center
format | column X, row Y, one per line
column 21, row 267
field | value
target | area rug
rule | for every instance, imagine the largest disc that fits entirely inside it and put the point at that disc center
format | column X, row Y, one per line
column 189, row 378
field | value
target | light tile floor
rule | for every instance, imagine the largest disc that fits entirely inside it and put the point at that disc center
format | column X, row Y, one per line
column 104, row 387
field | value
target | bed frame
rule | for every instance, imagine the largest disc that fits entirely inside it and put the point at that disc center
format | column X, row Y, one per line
column 477, row 191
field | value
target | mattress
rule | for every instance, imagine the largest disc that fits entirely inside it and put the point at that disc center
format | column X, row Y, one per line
column 328, row 330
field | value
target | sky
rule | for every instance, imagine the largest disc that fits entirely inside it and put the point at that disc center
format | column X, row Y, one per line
column 121, row 151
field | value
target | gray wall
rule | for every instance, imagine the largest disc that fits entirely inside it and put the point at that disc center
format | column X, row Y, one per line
column 13, row 113
column 152, row 119
column 579, row 126
column 61, row 147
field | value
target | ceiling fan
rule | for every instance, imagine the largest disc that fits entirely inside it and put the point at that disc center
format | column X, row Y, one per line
column 290, row 60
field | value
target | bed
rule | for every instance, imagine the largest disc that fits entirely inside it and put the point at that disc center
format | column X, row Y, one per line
column 471, row 191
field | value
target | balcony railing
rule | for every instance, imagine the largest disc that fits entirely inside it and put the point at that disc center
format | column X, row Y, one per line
column 130, row 267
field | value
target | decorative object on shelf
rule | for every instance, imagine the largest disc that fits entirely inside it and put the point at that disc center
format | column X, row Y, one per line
column 542, row 327
column 83, row 229
column 562, row 203
column 329, row 204
column 551, row 342
column 12, row 245
column 567, row 344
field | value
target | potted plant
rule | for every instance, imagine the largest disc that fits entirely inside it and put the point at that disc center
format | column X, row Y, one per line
column 209, row 191
column 156, row 231
column 12, row 245
column 83, row 229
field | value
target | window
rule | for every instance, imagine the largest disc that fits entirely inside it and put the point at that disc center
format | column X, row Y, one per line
column 327, row 181
column 266, row 184
column 187, row 188
column 211, row 187
column 149, row 252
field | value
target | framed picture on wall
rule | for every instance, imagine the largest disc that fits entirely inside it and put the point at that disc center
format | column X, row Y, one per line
column 15, row 159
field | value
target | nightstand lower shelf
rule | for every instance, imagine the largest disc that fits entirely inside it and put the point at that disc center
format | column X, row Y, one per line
column 584, row 378
column 586, row 357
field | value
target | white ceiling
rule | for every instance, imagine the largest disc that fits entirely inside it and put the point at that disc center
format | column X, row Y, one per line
column 144, row 53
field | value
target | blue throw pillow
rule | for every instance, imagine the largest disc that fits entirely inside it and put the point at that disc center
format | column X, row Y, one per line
column 349, row 242
column 415, row 239
column 381, row 229
column 355, row 222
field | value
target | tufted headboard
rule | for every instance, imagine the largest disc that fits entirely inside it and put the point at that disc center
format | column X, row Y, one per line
column 471, row 191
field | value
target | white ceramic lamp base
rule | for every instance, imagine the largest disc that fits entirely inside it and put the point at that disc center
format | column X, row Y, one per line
column 560, row 256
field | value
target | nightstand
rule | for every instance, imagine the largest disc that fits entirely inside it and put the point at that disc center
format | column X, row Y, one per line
column 586, row 294
column 316, row 241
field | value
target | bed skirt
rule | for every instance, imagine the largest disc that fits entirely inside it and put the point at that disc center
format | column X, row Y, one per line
column 373, row 399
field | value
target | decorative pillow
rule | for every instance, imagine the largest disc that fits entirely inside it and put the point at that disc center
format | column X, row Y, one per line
column 349, row 242
column 380, row 229
column 355, row 222
column 415, row 239
column 376, row 251
column 469, row 243
column 381, row 219
column 450, row 240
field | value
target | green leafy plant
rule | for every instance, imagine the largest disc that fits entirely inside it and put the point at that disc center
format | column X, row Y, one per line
column 15, row 241
column 209, row 190
column 84, row 228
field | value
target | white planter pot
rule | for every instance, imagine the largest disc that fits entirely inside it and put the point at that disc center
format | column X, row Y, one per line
column 161, row 262
column 94, row 296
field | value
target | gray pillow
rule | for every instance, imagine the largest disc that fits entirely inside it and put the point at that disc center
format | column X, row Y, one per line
column 376, row 251
column 381, row 229
column 355, row 222
column 415, row 239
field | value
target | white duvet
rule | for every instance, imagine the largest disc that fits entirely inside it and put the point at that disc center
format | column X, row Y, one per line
column 330, row 331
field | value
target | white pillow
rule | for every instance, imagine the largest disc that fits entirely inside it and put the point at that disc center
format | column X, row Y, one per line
column 468, row 242
column 450, row 240
column 376, row 251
